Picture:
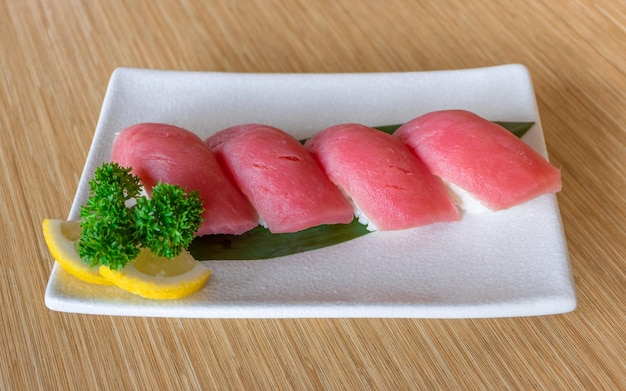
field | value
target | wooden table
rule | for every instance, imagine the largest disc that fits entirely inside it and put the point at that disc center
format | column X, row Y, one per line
column 55, row 61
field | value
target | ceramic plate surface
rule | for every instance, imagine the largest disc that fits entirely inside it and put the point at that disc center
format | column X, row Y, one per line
column 509, row 263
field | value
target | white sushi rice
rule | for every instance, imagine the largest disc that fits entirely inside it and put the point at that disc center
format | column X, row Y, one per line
column 363, row 219
column 465, row 200
column 358, row 213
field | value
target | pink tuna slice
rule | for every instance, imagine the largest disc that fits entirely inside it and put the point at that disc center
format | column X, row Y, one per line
column 480, row 157
column 282, row 180
column 179, row 157
column 385, row 180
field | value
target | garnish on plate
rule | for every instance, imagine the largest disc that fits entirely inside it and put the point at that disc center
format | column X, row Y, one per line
column 137, row 243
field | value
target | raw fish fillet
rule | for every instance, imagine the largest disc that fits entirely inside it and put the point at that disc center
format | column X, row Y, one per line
column 282, row 180
column 480, row 157
column 179, row 157
column 391, row 187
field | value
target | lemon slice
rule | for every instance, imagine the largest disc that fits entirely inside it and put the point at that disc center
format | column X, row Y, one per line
column 61, row 237
column 155, row 277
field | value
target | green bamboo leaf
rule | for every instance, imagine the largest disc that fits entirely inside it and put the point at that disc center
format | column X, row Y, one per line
column 260, row 243
column 388, row 128
column 517, row 128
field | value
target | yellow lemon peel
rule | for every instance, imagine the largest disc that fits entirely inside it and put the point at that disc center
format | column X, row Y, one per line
column 61, row 237
column 155, row 277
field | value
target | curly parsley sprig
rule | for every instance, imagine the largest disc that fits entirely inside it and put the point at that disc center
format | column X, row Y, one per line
column 166, row 223
column 113, row 232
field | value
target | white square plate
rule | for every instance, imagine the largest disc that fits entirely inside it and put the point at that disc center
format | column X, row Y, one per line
column 509, row 263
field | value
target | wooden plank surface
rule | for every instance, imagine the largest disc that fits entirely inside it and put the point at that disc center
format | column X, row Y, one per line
column 55, row 61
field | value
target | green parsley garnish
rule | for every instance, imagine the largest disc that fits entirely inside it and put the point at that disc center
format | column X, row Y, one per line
column 117, row 222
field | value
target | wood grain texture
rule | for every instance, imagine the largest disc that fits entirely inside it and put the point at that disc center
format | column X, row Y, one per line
column 55, row 61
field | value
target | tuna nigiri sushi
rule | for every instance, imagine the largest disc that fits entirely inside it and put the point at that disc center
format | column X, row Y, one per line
column 282, row 180
column 390, row 187
column 161, row 152
column 479, row 159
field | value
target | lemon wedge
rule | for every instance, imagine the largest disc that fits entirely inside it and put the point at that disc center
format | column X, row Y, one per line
column 61, row 237
column 155, row 277
column 148, row 275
